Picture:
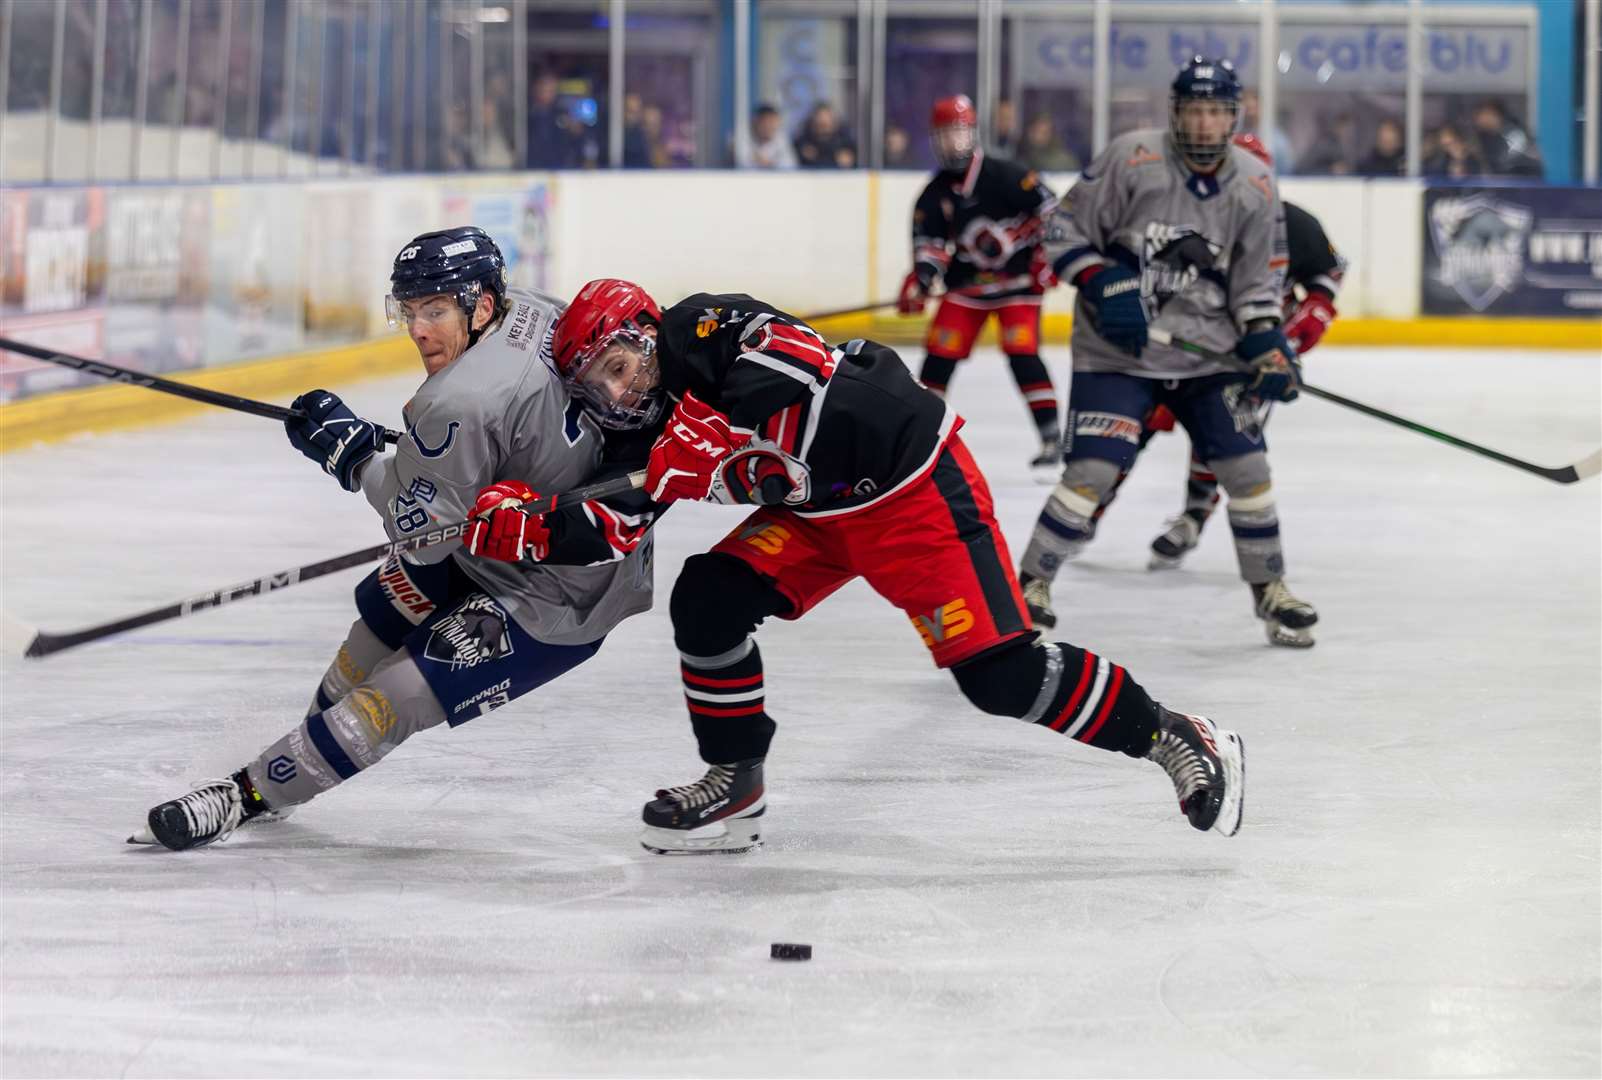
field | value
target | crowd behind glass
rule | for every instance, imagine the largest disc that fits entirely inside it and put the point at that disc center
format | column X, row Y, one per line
column 202, row 89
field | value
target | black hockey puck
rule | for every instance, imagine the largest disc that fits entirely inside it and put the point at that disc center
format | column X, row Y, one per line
column 784, row 951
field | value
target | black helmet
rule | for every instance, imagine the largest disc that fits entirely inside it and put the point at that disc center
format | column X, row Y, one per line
column 1204, row 80
column 462, row 262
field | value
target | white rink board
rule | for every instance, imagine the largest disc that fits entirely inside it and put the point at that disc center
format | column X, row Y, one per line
column 1415, row 890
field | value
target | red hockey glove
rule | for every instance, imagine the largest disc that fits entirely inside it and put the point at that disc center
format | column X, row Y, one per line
column 1309, row 321
column 910, row 302
column 501, row 529
column 1040, row 269
column 763, row 476
column 686, row 454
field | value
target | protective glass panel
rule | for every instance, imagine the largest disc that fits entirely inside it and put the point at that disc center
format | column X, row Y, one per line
column 670, row 68
column 927, row 57
column 1343, row 95
column 28, row 88
column 1476, row 101
column 1046, row 62
column 568, row 80
column 806, row 59
column 1146, row 55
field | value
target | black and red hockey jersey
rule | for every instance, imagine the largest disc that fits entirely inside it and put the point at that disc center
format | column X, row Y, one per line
column 853, row 414
column 979, row 229
column 1314, row 263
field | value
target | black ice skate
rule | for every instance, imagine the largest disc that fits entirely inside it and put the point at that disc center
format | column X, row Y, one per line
column 1037, row 598
column 721, row 812
column 1046, row 466
column 1170, row 549
column 1208, row 767
column 1287, row 620
column 204, row 816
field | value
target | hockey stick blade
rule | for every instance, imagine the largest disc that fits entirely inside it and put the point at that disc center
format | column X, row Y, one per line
column 166, row 386
column 1562, row 474
column 46, row 644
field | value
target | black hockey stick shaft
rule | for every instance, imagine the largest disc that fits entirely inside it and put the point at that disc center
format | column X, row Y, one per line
column 166, row 386
column 1563, row 474
column 45, row 644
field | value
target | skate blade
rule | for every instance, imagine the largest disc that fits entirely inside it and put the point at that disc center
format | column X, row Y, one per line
column 715, row 839
column 1232, row 755
column 1159, row 561
column 1287, row 636
column 144, row 836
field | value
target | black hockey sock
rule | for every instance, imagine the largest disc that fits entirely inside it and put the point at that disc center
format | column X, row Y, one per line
column 726, row 707
column 1034, row 383
column 1095, row 701
column 937, row 372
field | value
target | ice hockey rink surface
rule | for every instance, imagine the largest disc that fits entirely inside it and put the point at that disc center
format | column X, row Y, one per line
column 1415, row 891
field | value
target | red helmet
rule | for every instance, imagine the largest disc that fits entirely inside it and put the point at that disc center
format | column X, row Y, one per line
column 607, row 312
column 1254, row 146
column 954, row 131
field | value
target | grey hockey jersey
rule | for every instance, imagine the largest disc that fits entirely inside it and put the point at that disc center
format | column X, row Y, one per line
column 1209, row 248
column 501, row 413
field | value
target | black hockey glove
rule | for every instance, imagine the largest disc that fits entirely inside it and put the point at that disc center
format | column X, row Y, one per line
column 1112, row 298
column 1273, row 362
column 332, row 436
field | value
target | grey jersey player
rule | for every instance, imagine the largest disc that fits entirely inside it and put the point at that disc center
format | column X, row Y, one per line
column 1182, row 230
column 447, row 637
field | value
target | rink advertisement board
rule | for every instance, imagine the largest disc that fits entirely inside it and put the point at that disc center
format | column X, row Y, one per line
column 1512, row 250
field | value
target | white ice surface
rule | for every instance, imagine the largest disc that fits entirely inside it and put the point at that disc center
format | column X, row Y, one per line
column 1415, row 889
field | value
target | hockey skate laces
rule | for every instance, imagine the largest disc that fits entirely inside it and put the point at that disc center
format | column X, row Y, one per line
column 210, row 810
column 1181, row 762
column 711, row 787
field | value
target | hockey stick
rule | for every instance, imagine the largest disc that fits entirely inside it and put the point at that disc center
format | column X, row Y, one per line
column 167, row 386
column 842, row 312
column 1565, row 474
column 44, row 644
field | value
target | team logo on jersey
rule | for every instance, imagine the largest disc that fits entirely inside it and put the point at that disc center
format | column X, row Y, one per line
column 281, row 769
column 707, row 323
column 990, row 245
column 766, row 537
column 434, row 451
column 475, row 633
column 1174, row 258
column 1246, row 412
column 947, row 621
column 402, row 594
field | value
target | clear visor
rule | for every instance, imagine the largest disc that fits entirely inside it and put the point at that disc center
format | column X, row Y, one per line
column 953, row 145
column 436, row 310
column 616, row 379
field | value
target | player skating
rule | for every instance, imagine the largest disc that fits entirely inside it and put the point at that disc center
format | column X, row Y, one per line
column 1312, row 281
column 1181, row 228
column 446, row 638
column 859, row 472
column 976, row 230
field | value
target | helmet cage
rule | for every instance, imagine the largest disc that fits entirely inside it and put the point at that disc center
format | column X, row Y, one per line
column 1202, row 154
column 954, row 145
column 583, row 381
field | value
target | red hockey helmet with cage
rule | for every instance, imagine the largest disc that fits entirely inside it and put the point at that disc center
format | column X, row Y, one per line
column 954, row 131
column 610, row 312
column 1254, row 146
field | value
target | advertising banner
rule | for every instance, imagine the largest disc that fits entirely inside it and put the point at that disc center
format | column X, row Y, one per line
column 52, row 285
column 1516, row 251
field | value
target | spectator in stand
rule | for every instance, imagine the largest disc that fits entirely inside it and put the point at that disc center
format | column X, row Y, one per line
column 1251, row 122
column 654, row 123
column 1334, row 149
column 823, row 143
column 1504, row 145
column 1389, row 154
column 1454, row 157
column 1004, row 131
column 898, row 148
column 1043, row 149
column 769, row 148
column 550, row 142
column 456, row 149
column 494, row 149
column 637, row 149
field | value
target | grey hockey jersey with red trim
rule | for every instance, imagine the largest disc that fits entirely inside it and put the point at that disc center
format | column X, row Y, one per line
column 501, row 413
column 1209, row 248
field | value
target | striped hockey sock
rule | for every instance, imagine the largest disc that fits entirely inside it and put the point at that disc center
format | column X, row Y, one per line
column 725, row 696
column 1091, row 699
column 1034, row 383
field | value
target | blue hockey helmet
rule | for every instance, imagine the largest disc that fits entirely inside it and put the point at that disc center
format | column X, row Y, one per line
column 462, row 262
column 1201, row 137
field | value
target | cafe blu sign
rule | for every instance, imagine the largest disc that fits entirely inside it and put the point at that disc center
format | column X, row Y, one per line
column 1313, row 56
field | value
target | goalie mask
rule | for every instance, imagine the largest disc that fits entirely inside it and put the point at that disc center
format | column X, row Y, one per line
column 604, row 347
